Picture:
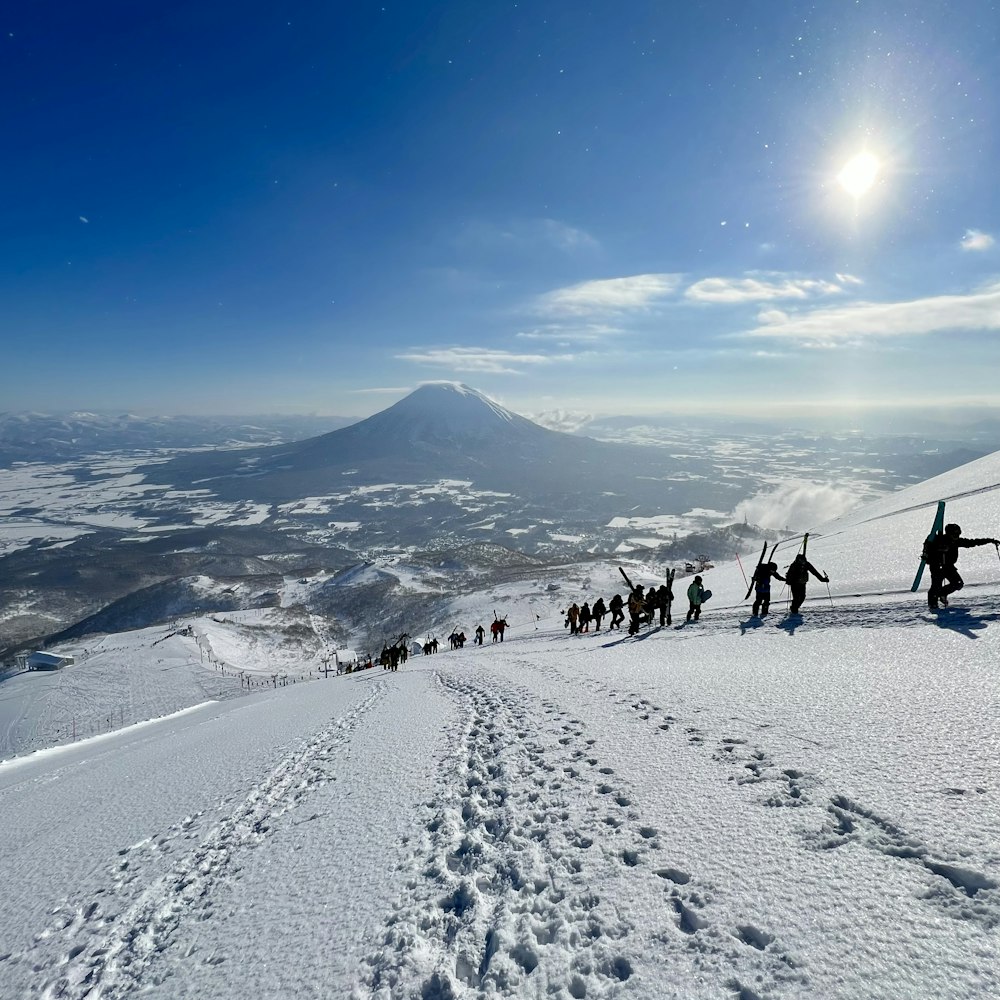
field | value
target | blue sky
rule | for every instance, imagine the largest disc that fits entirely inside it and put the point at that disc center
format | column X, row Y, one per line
column 613, row 207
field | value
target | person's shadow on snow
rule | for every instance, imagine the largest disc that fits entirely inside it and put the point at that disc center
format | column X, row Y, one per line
column 790, row 623
column 750, row 624
column 961, row 620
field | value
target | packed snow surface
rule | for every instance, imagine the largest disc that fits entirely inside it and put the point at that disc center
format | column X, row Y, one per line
column 734, row 808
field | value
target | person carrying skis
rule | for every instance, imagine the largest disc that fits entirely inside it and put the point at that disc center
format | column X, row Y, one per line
column 941, row 556
column 585, row 617
column 650, row 605
column 695, row 591
column 762, row 577
column 617, row 614
column 796, row 576
column 664, row 595
column 636, row 609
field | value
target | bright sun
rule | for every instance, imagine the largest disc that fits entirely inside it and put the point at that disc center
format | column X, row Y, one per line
column 858, row 174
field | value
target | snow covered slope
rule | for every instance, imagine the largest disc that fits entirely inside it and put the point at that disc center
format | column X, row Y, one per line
column 875, row 548
column 729, row 809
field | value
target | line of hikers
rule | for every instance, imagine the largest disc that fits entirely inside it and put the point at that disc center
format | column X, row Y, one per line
column 642, row 606
column 796, row 577
column 940, row 553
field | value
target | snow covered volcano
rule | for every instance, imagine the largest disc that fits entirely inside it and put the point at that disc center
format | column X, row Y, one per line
column 442, row 430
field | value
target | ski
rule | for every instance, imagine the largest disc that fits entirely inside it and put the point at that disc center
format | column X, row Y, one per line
column 760, row 562
column 627, row 580
column 670, row 592
column 938, row 527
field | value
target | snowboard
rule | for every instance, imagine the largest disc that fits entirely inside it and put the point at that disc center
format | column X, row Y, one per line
column 938, row 526
column 705, row 595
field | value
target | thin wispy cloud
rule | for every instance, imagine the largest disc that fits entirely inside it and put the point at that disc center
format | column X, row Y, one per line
column 522, row 235
column 975, row 311
column 567, row 238
column 759, row 289
column 636, row 293
column 976, row 239
column 479, row 359
column 587, row 333
column 387, row 390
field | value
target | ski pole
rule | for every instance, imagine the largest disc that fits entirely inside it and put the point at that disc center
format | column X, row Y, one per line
column 740, row 563
column 828, row 594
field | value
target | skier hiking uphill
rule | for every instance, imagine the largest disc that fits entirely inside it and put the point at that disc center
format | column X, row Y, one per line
column 617, row 614
column 762, row 577
column 941, row 555
column 636, row 608
column 796, row 576
column 664, row 595
column 695, row 594
column 597, row 612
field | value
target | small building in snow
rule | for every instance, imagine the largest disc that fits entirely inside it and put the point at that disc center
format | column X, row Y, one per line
column 49, row 661
column 346, row 658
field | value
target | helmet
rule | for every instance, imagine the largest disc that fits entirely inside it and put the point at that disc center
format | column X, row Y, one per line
column 952, row 529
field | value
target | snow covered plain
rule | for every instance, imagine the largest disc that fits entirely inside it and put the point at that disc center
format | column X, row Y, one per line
column 734, row 808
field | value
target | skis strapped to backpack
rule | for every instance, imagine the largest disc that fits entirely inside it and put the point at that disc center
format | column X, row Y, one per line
column 760, row 562
column 670, row 592
column 627, row 580
column 938, row 527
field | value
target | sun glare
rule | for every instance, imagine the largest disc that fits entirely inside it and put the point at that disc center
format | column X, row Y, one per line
column 859, row 174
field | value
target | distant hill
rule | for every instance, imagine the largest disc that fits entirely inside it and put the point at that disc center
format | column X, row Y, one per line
column 51, row 437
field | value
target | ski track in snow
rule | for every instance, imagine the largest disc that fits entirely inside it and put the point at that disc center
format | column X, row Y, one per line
column 109, row 952
column 505, row 894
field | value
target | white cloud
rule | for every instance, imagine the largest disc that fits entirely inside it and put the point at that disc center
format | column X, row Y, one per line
column 83, row 218
column 976, row 311
column 848, row 279
column 797, row 505
column 635, row 293
column 976, row 239
column 758, row 289
column 479, row 359
column 383, row 390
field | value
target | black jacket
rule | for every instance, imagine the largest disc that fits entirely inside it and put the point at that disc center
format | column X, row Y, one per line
column 941, row 551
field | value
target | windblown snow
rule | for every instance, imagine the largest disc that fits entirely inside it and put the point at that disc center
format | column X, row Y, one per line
column 733, row 808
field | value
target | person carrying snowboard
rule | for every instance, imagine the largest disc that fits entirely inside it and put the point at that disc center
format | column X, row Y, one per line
column 695, row 592
column 480, row 632
column 796, row 576
column 762, row 577
column 941, row 556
